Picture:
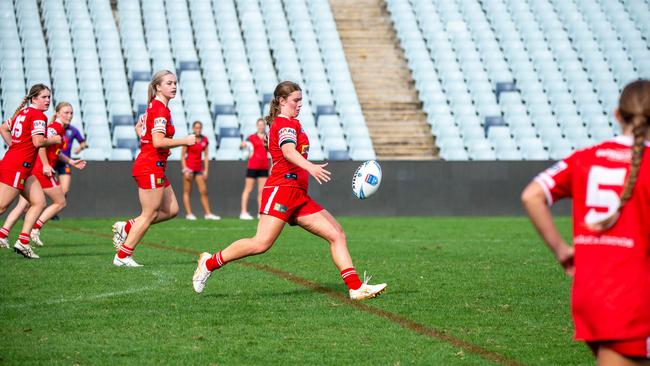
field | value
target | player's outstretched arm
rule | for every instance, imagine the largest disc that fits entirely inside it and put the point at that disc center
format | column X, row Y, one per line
column 42, row 141
column 317, row 171
column 78, row 163
column 534, row 201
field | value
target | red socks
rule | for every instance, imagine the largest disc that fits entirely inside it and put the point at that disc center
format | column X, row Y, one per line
column 129, row 223
column 124, row 252
column 23, row 238
column 215, row 262
column 351, row 278
column 4, row 232
column 39, row 224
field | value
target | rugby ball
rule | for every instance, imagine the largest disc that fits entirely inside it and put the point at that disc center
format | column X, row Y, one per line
column 366, row 179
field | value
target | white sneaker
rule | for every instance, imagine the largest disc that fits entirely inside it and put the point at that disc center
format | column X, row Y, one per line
column 4, row 243
column 212, row 217
column 119, row 235
column 201, row 274
column 25, row 250
column 367, row 291
column 125, row 262
column 245, row 216
column 190, row 217
column 35, row 235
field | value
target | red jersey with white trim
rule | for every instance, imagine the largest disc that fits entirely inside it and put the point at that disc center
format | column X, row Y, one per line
column 21, row 154
column 611, row 285
column 287, row 130
column 157, row 120
column 54, row 129
column 259, row 160
column 193, row 159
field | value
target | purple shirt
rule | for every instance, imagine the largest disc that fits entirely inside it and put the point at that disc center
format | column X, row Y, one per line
column 71, row 134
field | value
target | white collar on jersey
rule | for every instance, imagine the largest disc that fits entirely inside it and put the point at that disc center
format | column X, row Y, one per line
column 626, row 140
column 283, row 116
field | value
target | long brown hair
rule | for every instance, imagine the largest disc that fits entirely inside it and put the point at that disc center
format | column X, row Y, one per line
column 281, row 91
column 155, row 81
column 634, row 108
column 34, row 91
column 58, row 108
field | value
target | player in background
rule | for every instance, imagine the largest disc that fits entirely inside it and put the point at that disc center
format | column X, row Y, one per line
column 257, row 169
column 610, row 257
column 195, row 163
column 156, row 194
column 285, row 199
column 24, row 133
column 71, row 134
column 49, row 184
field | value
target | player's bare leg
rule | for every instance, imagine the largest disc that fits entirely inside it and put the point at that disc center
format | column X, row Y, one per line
column 608, row 357
column 58, row 204
column 65, row 180
column 168, row 208
column 203, row 191
column 268, row 230
column 324, row 225
column 11, row 220
column 261, row 181
column 34, row 195
column 249, row 183
column 187, row 191
column 7, row 195
column 151, row 200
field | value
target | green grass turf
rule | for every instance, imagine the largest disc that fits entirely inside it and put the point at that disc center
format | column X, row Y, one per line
column 488, row 281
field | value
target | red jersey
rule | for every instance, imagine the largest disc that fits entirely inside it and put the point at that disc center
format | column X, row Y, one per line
column 287, row 130
column 611, row 285
column 194, row 158
column 21, row 154
column 259, row 160
column 157, row 120
column 54, row 129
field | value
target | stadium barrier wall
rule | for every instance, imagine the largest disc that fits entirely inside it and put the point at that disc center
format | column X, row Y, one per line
column 408, row 188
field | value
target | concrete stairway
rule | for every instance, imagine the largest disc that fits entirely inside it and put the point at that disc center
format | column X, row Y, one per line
column 387, row 94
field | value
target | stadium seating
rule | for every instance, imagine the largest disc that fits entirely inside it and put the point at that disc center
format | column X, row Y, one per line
column 228, row 56
column 498, row 79
column 560, row 63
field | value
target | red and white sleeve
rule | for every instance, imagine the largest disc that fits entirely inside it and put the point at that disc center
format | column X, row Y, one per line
column 159, row 125
column 556, row 180
column 38, row 127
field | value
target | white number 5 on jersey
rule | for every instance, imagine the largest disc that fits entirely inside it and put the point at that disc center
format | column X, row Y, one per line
column 600, row 193
column 18, row 126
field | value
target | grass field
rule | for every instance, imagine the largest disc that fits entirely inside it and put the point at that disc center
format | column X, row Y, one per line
column 462, row 291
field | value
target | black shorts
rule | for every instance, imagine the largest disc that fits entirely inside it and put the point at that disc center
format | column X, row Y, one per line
column 193, row 172
column 256, row 173
column 62, row 168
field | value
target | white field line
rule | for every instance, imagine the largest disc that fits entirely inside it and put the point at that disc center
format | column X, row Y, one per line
column 161, row 279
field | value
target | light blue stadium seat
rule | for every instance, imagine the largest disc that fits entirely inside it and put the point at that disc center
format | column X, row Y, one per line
column 509, row 154
column 121, row 155
column 456, row 154
column 95, row 154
